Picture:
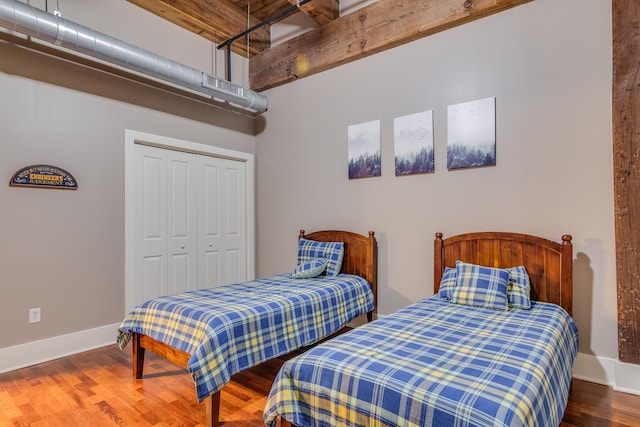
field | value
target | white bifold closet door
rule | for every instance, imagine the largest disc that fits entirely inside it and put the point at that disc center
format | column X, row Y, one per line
column 189, row 221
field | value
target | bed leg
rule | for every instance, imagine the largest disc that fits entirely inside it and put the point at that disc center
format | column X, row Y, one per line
column 285, row 423
column 138, row 357
column 213, row 410
column 370, row 316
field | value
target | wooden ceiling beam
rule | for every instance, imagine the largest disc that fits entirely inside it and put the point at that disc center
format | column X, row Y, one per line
column 217, row 21
column 374, row 28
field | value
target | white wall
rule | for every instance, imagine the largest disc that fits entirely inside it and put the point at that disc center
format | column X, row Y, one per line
column 548, row 64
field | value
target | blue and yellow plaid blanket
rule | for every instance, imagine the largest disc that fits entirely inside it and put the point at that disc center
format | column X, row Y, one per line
column 434, row 363
column 230, row 328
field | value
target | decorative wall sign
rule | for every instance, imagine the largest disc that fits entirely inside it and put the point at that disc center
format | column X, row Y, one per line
column 44, row 176
column 364, row 150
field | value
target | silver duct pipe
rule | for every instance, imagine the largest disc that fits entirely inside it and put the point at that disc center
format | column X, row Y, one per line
column 34, row 22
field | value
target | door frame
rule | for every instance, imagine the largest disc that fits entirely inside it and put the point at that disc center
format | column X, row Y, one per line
column 133, row 137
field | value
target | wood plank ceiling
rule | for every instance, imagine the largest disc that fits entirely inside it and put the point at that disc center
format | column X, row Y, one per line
column 380, row 25
column 220, row 20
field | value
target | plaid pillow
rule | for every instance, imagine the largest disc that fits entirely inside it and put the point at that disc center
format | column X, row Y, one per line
column 333, row 251
column 519, row 288
column 448, row 283
column 481, row 286
column 310, row 269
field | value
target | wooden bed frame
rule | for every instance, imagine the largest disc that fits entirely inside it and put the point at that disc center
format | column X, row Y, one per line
column 549, row 264
column 360, row 258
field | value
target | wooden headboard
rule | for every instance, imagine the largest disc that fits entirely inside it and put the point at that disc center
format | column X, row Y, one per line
column 360, row 255
column 549, row 264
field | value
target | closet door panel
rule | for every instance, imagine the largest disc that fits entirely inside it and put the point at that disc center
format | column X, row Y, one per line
column 211, row 271
column 150, row 223
column 182, row 222
column 234, row 241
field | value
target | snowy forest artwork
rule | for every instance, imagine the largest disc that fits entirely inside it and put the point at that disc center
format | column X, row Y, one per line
column 471, row 134
column 364, row 150
column 413, row 138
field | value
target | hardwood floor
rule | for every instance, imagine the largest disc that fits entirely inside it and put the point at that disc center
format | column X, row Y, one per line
column 96, row 389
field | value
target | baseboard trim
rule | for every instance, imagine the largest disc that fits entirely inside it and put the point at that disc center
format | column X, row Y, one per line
column 627, row 378
column 595, row 369
column 32, row 353
column 624, row 377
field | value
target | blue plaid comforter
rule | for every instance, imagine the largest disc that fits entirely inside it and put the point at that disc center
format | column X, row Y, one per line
column 230, row 328
column 434, row 363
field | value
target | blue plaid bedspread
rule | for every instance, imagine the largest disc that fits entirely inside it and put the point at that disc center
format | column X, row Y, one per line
column 434, row 363
column 230, row 328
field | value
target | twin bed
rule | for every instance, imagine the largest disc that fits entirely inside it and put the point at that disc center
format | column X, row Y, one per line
column 217, row 332
column 476, row 353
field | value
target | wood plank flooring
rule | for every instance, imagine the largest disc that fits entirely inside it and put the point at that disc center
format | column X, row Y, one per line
column 96, row 389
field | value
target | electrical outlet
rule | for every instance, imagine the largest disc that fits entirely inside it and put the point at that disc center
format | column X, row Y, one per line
column 34, row 315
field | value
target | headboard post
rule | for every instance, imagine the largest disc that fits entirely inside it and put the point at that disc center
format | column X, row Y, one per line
column 567, row 274
column 437, row 262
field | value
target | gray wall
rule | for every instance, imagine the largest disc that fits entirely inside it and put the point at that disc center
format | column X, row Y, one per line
column 548, row 63
column 63, row 251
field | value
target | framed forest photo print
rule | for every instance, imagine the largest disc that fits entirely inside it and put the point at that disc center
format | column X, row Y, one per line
column 413, row 143
column 364, row 150
column 471, row 134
